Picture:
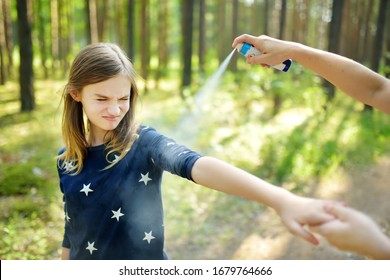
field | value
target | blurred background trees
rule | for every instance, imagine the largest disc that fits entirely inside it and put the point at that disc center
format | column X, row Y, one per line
column 181, row 36
column 279, row 126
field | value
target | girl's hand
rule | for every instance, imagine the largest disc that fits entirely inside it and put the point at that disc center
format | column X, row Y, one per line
column 297, row 212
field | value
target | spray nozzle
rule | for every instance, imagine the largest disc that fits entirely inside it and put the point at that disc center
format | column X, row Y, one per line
column 247, row 49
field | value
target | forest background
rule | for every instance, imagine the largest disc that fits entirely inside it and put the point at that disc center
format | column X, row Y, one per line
column 292, row 129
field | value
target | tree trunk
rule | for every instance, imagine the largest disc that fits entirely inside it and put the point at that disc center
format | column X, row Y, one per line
column 266, row 17
column 119, row 15
column 307, row 22
column 296, row 22
column 334, row 39
column 130, row 29
column 8, row 33
column 378, row 43
column 92, row 25
column 366, row 38
column 282, row 22
column 233, row 62
column 26, row 78
column 277, row 97
column 54, row 34
column 102, row 19
column 42, row 42
column 68, row 40
column 145, row 42
column 202, row 35
column 63, row 31
column 162, row 41
column 221, row 15
column 256, row 27
column 187, row 27
column 379, row 37
column 387, row 56
column 3, row 74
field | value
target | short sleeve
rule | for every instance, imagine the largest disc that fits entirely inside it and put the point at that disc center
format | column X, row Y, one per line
column 168, row 155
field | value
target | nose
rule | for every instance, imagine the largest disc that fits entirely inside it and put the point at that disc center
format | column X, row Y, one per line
column 114, row 109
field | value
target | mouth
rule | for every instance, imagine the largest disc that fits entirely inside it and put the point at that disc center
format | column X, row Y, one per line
column 111, row 118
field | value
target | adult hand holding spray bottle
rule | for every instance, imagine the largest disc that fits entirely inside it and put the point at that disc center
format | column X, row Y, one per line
column 259, row 50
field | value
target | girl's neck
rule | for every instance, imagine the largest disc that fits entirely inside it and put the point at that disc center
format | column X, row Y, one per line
column 95, row 138
column 94, row 143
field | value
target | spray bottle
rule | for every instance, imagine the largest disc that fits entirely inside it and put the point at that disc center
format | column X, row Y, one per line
column 250, row 50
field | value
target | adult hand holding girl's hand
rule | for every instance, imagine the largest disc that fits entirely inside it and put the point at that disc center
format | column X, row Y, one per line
column 298, row 212
column 354, row 231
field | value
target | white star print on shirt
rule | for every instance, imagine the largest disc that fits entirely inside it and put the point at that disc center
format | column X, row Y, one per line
column 183, row 153
column 86, row 189
column 91, row 247
column 145, row 178
column 68, row 166
column 67, row 218
column 117, row 214
column 148, row 237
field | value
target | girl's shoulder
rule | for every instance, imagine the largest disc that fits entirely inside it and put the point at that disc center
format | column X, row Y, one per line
column 145, row 128
column 61, row 151
column 147, row 131
column 149, row 136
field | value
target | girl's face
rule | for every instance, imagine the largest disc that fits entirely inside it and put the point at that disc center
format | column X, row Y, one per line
column 105, row 104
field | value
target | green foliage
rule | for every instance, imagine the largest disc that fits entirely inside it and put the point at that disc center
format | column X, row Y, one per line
column 306, row 141
column 30, row 203
column 20, row 179
column 29, row 228
column 300, row 142
column 296, row 148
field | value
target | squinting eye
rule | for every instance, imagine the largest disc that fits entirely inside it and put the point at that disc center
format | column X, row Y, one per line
column 101, row 99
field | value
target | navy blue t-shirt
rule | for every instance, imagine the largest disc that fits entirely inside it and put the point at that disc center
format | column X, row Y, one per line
column 118, row 213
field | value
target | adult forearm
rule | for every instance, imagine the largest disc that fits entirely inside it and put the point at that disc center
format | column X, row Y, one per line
column 381, row 251
column 349, row 76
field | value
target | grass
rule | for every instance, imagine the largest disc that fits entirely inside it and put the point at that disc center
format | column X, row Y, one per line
column 30, row 205
column 296, row 148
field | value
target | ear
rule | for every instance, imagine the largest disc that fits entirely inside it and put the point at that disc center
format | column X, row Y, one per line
column 75, row 95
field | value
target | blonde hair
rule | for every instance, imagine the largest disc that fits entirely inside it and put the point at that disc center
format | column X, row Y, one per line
column 95, row 63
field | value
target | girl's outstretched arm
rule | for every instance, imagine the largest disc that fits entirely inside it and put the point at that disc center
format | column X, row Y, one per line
column 295, row 211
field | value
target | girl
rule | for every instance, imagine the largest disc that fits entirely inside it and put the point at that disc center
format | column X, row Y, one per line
column 110, row 169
